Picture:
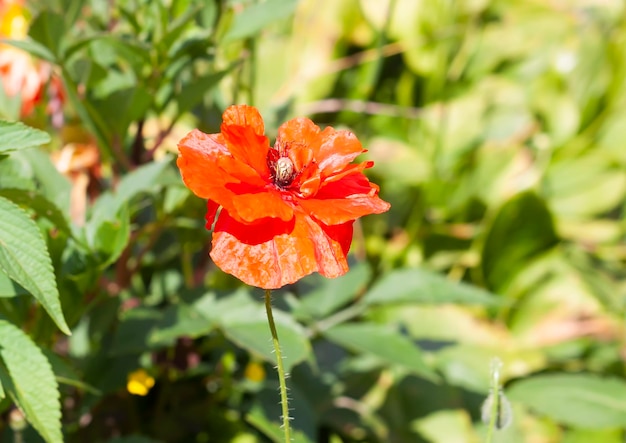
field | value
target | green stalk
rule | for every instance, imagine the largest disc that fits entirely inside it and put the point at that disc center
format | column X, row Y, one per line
column 282, row 379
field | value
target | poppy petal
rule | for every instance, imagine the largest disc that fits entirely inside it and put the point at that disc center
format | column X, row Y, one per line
column 299, row 139
column 273, row 253
column 338, row 202
column 336, row 150
column 211, row 212
column 244, row 115
column 197, row 163
column 251, row 205
column 243, row 131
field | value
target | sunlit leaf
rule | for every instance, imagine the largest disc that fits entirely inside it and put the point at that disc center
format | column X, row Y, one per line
column 24, row 257
column 31, row 382
column 423, row 286
column 578, row 400
column 389, row 345
column 15, row 136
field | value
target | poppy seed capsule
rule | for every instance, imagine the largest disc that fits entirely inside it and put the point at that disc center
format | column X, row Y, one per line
column 283, row 172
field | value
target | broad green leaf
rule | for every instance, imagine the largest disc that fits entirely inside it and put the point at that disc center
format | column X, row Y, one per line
column 143, row 179
column 24, row 257
column 423, row 286
column 193, row 93
column 51, row 183
column 589, row 435
column 521, row 231
column 254, row 18
column 109, row 236
column 32, row 382
column 33, row 47
column 134, row 331
column 446, row 426
column 325, row 295
column 383, row 342
column 15, row 136
column 180, row 320
column 577, row 400
column 244, row 321
column 48, row 28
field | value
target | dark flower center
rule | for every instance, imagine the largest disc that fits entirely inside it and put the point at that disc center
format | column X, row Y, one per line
column 283, row 172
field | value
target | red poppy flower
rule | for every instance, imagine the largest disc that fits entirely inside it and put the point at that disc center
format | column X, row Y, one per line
column 286, row 210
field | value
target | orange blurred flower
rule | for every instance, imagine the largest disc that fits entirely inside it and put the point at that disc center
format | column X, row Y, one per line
column 287, row 210
column 20, row 74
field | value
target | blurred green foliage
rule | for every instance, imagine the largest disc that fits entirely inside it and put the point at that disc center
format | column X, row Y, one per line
column 496, row 128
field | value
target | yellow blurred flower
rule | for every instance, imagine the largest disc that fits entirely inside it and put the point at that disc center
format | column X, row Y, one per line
column 13, row 23
column 139, row 382
column 20, row 74
column 255, row 372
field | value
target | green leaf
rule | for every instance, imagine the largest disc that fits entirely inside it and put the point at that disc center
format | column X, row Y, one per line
column 521, row 231
column 383, row 342
column 15, row 136
column 578, row 400
column 244, row 321
column 180, row 320
column 135, row 328
column 48, row 28
column 34, row 48
column 192, row 93
column 31, row 382
column 143, row 179
column 109, row 234
column 8, row 288
column 326, row 295
column 40, row 205
column 423, row 286
column 24, row 257
column 52, row 184
column 253, row 19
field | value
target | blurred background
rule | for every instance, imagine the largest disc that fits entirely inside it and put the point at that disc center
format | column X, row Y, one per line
column 498, row 132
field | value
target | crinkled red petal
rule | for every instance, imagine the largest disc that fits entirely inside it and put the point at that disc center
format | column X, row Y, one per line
column 210, row 172
column 336, row 150
column 272, row 253
column 211, row 212
column 244, row 115
column 342, row 201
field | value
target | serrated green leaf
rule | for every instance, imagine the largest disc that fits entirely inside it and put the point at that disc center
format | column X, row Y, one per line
column 423, row 286
column 15, row 136
column 38, row 204
column 24, row 258
column 8, row 288
column 383, row 342
column 578, row 400
column 253, row 19
column 32, row 382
